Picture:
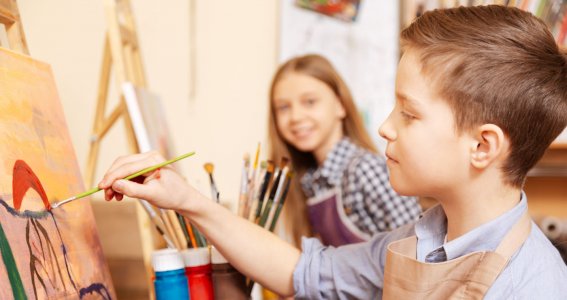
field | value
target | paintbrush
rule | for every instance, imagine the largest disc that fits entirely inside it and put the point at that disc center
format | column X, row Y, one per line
column 274, row 191
column 263, row 189
column 209, row 167
column 156, row 220
column 141, row 172
column 271, row 209
column 191, row 234
column 252, row 200
column 244, row 186
column 252, row 184
column 281, row 201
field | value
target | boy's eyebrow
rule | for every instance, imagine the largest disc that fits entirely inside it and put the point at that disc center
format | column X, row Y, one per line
column 406, row 99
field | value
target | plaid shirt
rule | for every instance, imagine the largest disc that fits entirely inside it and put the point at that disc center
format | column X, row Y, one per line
column 368, row 199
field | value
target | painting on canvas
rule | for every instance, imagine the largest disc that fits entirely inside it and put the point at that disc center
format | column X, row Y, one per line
column 44, row 254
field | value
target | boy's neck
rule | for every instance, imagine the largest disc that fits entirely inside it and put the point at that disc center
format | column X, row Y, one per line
column 469, row 210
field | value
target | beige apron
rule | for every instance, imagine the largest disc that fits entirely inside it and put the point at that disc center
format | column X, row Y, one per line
column 466, row 277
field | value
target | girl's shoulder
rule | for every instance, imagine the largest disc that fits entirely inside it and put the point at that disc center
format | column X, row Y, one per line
column 365, row 159
column 366, row 169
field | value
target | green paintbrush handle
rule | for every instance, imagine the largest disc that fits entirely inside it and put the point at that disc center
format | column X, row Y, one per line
column 153, row 168
column 276, row 216
column 144, row 171
column 266, row 213
column 87, row 193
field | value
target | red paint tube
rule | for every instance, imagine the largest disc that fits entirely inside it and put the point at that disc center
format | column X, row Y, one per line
column 198, row 270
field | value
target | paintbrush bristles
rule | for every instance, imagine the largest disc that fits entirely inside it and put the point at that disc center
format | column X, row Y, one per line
column 257, row 156
column 57, row 204
column 284, row 162
column 270, row 166
column 209, row 167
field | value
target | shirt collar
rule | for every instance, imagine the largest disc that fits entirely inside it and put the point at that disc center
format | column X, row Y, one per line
column 334, row 165
column 432, row 228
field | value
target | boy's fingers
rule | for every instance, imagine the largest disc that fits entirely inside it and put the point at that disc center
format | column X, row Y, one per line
column 149, row 177
column 127, row 165
column 131, row 189
column 108, row 194
column 124, row 171
column 122, row 160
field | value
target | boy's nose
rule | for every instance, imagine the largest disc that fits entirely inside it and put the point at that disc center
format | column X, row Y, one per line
column 386, row 130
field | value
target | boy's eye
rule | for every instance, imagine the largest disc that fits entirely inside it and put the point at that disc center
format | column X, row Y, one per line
column 407, row 116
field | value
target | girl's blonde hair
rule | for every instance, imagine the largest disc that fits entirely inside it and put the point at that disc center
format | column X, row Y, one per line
column 318, row 67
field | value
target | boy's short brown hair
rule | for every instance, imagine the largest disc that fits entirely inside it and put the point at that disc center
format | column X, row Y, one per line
column 498, row 65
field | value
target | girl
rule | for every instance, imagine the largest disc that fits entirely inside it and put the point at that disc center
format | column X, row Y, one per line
column 342, row 193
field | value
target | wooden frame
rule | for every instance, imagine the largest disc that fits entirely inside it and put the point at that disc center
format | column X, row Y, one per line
column 121, row 55
column 10, row 17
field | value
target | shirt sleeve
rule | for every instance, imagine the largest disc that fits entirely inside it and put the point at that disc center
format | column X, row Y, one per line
column 377, row 206
column 353, row 271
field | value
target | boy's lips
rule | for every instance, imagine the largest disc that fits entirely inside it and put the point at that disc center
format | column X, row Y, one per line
column 389, row 157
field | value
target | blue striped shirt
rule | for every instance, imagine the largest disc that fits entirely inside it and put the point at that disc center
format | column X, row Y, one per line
column 536, row 271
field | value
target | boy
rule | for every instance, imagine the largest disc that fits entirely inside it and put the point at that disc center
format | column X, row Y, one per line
column 481, row 93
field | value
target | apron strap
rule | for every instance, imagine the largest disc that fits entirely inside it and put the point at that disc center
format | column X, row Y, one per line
column 516, row 237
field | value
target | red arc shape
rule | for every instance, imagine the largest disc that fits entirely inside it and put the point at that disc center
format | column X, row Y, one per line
column 23, row 178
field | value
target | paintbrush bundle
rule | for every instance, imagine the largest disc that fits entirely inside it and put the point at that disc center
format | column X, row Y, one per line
column 175, row 229
column 263, row 190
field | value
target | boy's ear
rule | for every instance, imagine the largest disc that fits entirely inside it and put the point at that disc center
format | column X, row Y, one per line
column 489, row 144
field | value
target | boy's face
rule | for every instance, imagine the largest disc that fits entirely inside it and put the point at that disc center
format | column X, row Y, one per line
column 426, row 156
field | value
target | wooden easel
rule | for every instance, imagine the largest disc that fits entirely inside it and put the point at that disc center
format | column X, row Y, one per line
column 121, row 55
column 10, row 18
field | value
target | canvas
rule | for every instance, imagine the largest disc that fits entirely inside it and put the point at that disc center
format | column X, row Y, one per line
column 44, row 254
column 148, row 120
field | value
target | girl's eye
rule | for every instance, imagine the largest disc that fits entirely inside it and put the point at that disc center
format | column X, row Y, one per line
column 310, row 101
column 282, row 107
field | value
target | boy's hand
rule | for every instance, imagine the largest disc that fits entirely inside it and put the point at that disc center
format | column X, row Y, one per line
column 163, row 188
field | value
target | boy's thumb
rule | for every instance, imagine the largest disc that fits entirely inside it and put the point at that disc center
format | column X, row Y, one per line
column 130, row 188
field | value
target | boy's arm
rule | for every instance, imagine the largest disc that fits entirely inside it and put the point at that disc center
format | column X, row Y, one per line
column 254, row 251
column 251, row 249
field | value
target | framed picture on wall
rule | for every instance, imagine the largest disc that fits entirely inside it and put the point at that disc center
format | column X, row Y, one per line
column 346, row 10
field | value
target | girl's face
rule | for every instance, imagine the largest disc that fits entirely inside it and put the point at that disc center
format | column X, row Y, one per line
column 308, row 114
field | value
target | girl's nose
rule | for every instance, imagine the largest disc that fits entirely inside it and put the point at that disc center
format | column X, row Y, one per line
column 296, row 113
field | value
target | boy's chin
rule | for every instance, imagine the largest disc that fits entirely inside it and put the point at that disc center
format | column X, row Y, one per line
column 403, row 189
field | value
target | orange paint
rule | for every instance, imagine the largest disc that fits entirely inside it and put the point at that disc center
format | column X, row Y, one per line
column 23, row 179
